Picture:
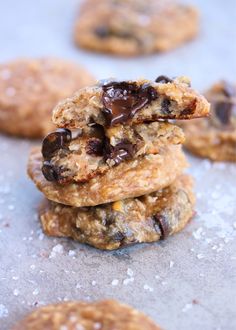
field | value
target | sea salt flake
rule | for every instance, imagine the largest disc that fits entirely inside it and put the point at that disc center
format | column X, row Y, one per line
column 171, row 264
column 130, row 272
column 15, row 278
column 78, row 286
column 115, row 282
column 36, row 292
column 187, row 307
column 94, row 283
column 147, row 288
column 57, row 249
column 197, row 234
column 200, row 256
column 16, row 292
column 71, row 253
column 128, row 280
column 3, row 311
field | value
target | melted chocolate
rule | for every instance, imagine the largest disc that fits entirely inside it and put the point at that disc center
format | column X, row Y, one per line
column 163, row 225
column 163, row 79
column 122, row 151
column 123, row 100
column 55, row 141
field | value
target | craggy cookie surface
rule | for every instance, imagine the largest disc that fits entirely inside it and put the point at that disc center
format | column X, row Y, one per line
column 215, row 137
column 128, row 179
column 144, row 219
column 134, row 27
column 80, row 158
column 130, row 102
column 30, row 88
column 101, row 315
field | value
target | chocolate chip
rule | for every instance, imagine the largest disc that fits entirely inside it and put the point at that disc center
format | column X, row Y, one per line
column 95, row 147
column 165, row 106
column 122, row 151
column 118, row 236
column 163, row 79
column 102, row 32
column 163, row 225
column 49, row 171
column 229, row 90
column 122, row 100
column 223, row 111
column 54, row 141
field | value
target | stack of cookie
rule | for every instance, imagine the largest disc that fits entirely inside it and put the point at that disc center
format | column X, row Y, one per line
column 112, row 172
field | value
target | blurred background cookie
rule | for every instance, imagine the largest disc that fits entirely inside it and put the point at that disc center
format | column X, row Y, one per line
column 30, row 88
column 76, row 315
column 134, row 27
column 215, row 137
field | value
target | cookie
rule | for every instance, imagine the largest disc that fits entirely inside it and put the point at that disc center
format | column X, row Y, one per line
column 30, row 88
column 215, row 137
column 137, row 220
column 80, row 158
column 130, row 102
column 76, row 315
column 129, row 179
column 134, row 27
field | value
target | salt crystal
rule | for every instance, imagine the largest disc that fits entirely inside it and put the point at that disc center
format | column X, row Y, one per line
column 11, row 207
column 36, row 292
column 57, row 249
column 171, row 264
column 128, row 280
column 157, row 277
column 200, row 256
column 3, row 311
column 187, row 307
column 16, row 292
column 148, row 288
column 197, row 234
column 234, row 225
column 71, row 253
column 163, row 282
column 78, row 286
column 115, row 282
column 15, row 278
column 130, row 272
column 97, row 326
column 94, row 283
column 32, row 267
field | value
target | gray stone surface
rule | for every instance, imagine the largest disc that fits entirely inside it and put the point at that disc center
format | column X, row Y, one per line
column 185, row 282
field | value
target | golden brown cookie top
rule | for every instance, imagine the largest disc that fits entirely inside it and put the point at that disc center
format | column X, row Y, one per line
column 111, row 103
column 101, row 315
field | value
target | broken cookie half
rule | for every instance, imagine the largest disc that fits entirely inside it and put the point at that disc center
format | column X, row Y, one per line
column 112, row 103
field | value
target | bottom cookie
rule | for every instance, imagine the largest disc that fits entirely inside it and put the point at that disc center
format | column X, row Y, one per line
column 103, row 315
column 136, row 220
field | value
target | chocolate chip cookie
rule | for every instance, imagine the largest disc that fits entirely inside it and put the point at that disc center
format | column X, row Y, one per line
column 129, row 179
column 136, row 220
column 134, row 27
column 90, row 153
column 30, row 88
column 130, row 102
column 76, row 315
column 215, row 137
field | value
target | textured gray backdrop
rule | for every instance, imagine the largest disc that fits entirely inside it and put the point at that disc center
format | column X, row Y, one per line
column 185, row 282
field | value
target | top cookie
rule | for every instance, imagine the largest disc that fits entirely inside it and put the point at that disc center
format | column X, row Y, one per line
column 101, row 315
column 134, row 27
column 131, row 102
column 30, row 88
